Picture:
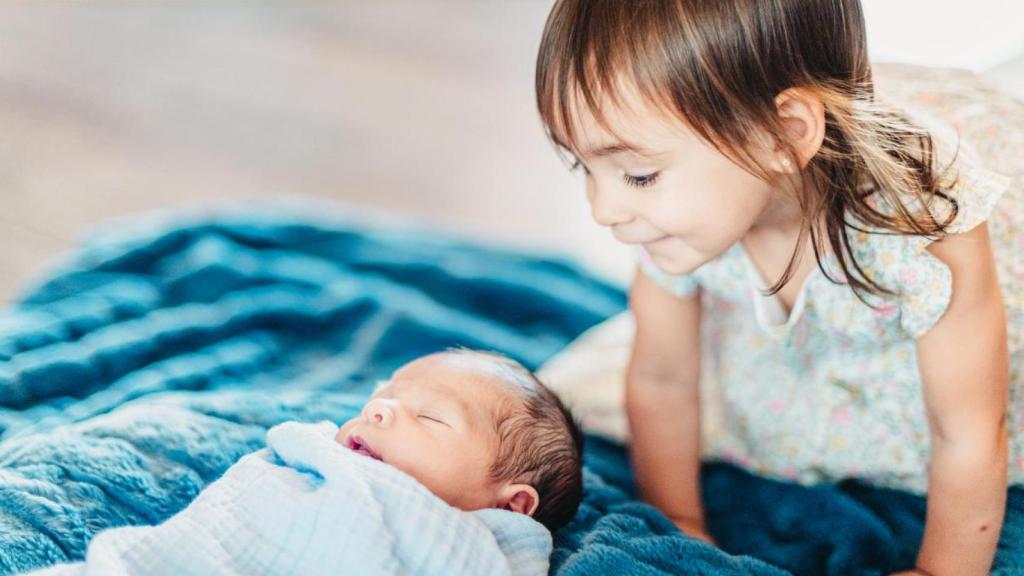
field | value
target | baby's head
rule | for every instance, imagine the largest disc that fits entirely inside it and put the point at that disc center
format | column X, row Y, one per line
column 479, row 431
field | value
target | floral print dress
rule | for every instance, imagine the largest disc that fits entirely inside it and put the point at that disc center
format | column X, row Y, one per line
column 832, row 390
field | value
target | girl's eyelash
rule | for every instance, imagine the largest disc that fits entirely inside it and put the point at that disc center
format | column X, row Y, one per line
column 634, row 181
column 432, row 419
column 641, row 181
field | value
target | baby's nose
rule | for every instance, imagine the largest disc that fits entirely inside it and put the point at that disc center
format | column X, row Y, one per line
column 379, row 412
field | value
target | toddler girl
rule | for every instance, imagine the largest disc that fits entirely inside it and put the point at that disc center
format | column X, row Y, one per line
column 821, row 257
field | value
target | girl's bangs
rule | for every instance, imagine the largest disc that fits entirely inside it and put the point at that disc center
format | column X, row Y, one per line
column 585, row 64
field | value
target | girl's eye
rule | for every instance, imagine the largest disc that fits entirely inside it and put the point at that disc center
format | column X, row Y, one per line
column 429, row 418
column 577, row 165
column 641, row 181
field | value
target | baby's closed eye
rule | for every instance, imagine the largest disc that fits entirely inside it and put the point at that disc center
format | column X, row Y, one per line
column 430, row 418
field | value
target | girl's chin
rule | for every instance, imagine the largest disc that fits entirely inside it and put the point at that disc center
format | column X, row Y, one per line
column 659, row 244
column 670, row 264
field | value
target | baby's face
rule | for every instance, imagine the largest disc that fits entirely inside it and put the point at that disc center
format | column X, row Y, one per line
column 436, row 421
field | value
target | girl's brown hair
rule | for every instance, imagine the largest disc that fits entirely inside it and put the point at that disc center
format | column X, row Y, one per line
column 718, row 65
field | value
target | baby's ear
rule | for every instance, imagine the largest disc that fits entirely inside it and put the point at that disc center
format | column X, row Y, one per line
column 520, row 498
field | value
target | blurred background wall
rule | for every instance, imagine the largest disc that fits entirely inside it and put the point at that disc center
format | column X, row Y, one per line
column 417, row 107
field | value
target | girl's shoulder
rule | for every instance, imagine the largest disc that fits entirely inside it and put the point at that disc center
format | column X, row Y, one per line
column 971, row 188
column 978, row 133
column 921, row 283
column 974, row 125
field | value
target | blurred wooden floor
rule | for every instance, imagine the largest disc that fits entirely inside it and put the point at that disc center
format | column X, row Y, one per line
column 423, row 108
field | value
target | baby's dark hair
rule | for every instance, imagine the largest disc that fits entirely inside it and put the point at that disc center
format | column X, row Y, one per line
column 539, row 443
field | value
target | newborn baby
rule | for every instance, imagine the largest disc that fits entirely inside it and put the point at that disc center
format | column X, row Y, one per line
column 460, row 463
column 479, row 431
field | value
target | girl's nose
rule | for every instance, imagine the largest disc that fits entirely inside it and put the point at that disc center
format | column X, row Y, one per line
column 606, row 208
column 379, row 412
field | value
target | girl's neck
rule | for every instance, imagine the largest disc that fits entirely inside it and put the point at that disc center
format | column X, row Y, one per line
column 781, row 217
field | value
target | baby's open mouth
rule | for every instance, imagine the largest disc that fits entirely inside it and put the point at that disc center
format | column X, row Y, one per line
column 359, row 445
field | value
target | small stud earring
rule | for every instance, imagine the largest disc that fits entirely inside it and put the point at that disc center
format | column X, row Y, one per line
column 786, row 163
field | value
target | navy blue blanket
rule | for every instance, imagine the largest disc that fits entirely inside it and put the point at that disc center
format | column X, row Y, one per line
column 142, row 366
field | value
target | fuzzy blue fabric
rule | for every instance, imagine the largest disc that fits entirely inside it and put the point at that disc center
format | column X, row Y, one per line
column 155, row 356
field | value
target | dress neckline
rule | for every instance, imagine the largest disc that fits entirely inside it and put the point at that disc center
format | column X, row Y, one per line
column 769, row 310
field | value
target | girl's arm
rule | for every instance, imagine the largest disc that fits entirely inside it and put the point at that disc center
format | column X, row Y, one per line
column 663, row 402
column 964, row 367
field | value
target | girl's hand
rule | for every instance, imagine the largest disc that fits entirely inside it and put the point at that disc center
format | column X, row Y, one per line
column 694, row 529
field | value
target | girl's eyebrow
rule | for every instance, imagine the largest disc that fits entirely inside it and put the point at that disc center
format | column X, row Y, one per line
column 618, row 148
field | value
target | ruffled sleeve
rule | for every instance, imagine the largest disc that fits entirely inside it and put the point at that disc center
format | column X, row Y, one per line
column 926, row 284
column 975, row 189
column 978, row 190
column 926, row 289
column 682, row 285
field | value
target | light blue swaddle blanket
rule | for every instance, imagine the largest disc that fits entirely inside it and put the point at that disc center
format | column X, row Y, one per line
column 306, row 506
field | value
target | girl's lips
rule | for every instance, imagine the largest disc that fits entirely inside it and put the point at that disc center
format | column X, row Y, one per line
column 359, row 445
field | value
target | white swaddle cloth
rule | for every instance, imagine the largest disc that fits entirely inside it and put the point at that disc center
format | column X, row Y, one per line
column 307, row 506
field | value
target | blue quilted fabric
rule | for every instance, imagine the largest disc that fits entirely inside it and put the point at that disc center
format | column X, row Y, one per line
column 139, row 368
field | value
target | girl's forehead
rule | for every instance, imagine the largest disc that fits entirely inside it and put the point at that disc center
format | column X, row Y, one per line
column 630, row 122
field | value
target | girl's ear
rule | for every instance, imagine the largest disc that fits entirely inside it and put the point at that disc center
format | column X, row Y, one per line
column 802, row 112
column 520, row 498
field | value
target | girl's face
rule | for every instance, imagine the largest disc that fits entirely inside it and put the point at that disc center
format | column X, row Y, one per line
column 658, row 185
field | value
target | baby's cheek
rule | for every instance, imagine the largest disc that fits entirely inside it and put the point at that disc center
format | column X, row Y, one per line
column 440, row 471
column 431, row 475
